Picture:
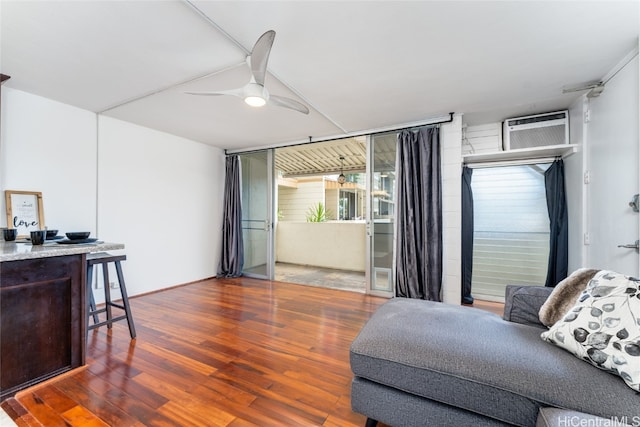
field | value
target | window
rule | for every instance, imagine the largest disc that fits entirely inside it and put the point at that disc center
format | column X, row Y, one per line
column 511, row 222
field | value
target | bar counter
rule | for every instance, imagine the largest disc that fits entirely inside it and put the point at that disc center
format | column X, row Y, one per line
column 43, row 309
column 15, row 251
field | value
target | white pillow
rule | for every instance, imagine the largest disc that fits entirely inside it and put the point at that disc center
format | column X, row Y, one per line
column 603, row 327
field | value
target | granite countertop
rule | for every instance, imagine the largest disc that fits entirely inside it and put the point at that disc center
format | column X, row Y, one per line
column 14, row 251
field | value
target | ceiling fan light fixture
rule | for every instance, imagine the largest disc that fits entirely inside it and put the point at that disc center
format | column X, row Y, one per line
column 255, row 101
column 255, row 95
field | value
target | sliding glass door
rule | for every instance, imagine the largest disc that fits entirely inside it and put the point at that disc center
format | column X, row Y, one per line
column 380, row 224
column 257, row 214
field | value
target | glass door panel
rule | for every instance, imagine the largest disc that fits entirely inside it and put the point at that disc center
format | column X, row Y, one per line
column 381, row 166
column 257, row 196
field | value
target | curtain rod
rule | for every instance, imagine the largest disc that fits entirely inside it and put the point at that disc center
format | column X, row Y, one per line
column 490, row 164
column 409, row 126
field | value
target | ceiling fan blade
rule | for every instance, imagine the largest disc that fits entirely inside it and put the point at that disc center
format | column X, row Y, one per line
column 288, row 103
column 239, row 92
column 260, row 56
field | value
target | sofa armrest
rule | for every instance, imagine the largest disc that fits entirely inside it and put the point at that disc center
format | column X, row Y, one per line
column 522, row 303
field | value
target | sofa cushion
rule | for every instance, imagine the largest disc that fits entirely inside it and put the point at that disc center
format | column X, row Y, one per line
column 603, row 327
column 564, row 296
column 476, row 361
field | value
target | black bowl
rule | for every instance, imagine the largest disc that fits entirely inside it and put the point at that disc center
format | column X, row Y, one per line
column 10, row 234
column 51, row 234
column 78, row 235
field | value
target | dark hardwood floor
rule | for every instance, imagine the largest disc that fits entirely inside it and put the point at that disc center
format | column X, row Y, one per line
column 228, row 352
column 221, row 352
column 491, row 306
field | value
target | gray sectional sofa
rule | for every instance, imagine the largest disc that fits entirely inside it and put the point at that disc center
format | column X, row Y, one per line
column 423, row 363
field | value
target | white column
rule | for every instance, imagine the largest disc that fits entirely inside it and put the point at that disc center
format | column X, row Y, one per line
column 451, row 150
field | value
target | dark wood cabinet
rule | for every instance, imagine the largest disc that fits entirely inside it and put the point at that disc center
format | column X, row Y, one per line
column 42, row 320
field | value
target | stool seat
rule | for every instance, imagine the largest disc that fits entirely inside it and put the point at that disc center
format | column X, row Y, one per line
column 103, row 259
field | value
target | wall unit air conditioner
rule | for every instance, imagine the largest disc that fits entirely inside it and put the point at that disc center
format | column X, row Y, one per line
column 539, row 130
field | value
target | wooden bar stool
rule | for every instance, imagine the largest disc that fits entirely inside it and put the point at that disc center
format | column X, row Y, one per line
column 104, row 258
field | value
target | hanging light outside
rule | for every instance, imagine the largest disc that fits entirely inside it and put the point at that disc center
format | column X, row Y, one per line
column 341, row 178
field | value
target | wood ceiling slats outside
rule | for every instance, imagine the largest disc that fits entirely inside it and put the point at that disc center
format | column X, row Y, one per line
column 322, row 158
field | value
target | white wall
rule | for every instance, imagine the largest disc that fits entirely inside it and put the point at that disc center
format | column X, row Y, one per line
column 161, row 196
column 612, row 162
column 574, row 167
column 158, row 194
column 451, row 150
column 613, row 120
column 485, row 138
column 50, row 147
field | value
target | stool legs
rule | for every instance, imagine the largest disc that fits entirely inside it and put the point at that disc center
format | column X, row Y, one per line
column 125, row 300
column 93, row 311
column 107, row 294
column 92, row 300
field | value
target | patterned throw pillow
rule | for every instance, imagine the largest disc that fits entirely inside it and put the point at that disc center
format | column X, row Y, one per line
column 603, row 328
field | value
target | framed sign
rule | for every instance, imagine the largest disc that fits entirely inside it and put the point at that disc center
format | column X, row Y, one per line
column 24, row 211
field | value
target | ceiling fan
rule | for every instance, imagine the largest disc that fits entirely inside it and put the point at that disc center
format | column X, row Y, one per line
column 254, row 93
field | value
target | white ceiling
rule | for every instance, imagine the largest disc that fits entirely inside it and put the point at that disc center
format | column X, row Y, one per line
column 358, row 65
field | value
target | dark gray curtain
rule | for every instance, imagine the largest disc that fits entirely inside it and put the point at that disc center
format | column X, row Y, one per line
column 232, row 257
column 559, row 224
column 419, row 215
column 467, row 235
